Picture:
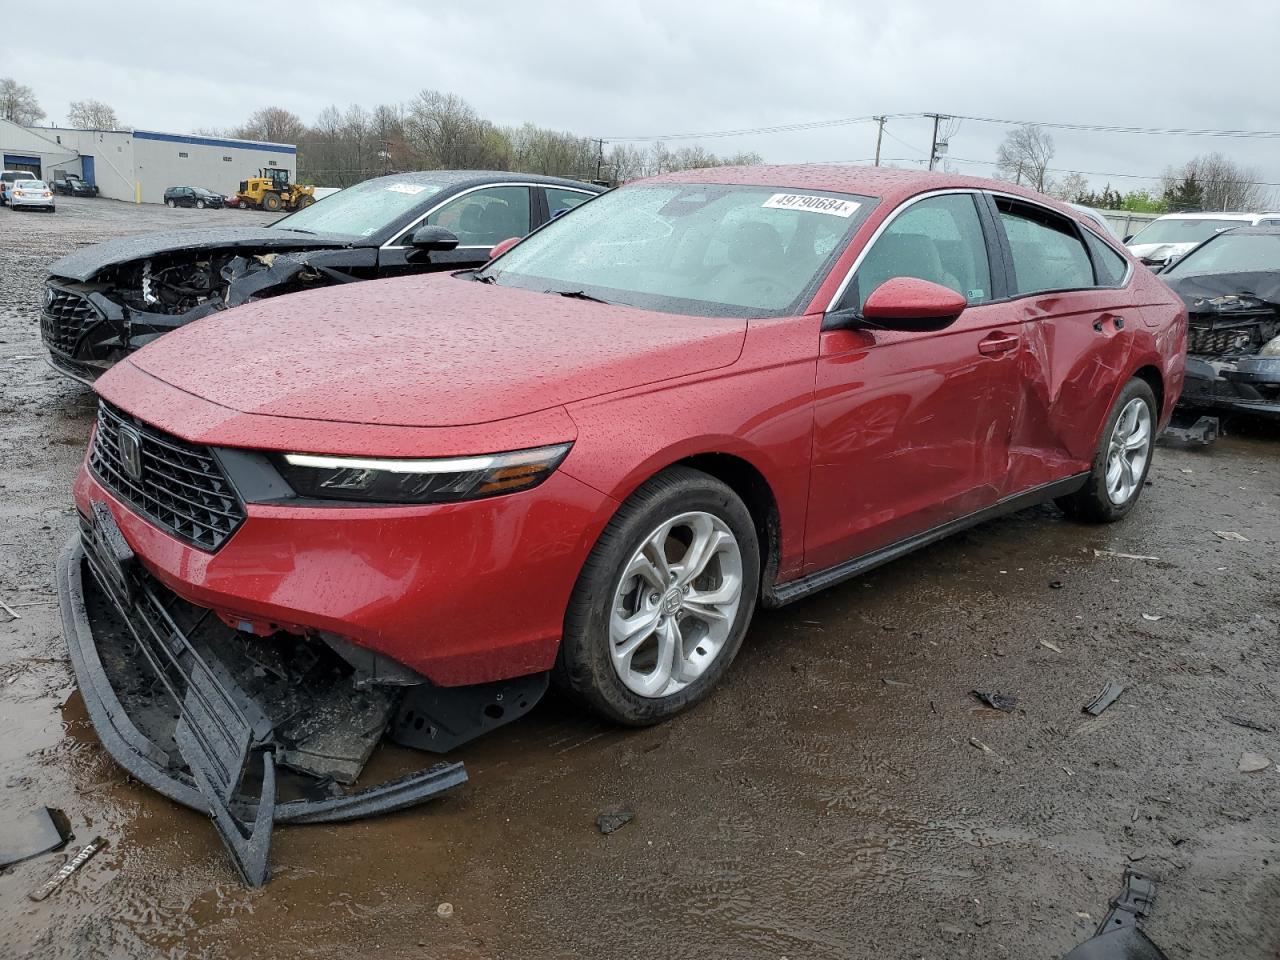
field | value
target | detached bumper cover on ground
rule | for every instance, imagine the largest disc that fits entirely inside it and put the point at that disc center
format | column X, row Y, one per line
column 221, row 722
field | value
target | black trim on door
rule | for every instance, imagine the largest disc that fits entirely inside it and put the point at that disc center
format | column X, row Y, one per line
column 780, row 594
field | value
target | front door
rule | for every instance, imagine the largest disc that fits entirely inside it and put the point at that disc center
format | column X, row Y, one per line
column 912, row 429
column 480, row 219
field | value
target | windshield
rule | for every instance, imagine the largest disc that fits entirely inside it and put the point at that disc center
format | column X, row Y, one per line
column 203, row 192
column 696, row 249
column 361, row 210
column 1231, row 253
column 30, row 185
column 1183, row 231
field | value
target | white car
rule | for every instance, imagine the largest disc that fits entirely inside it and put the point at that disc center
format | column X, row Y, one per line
column 1097, row 217
column 1167, row 238
column 31, row 193
column 8, row 178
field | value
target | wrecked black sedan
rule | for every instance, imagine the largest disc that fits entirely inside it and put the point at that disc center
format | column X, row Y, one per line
column 103, row 302
column 1231, row 286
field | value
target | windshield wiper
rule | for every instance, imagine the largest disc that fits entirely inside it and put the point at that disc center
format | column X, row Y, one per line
column 577, row 295
column 488, row 278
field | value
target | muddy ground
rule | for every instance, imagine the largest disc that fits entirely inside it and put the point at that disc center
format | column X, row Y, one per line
column 828, row 801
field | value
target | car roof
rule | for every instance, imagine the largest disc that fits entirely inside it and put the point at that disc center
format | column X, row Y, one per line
column 888, row 183
column 471, row 178
column 1251, row 231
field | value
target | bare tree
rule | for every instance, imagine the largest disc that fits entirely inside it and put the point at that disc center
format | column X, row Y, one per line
column 1024, row 156
column 92, row 115
column 442, row 130
column 18, row 103
column 273, row 124
column 1216, row 183
column 1071, row 188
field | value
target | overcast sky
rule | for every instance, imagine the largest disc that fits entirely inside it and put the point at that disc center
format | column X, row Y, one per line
column 659, row 67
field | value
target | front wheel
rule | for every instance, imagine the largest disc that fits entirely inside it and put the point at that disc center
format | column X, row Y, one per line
column 199, row 204
column 170, row 204
column 663, row 601
column 1122, row 461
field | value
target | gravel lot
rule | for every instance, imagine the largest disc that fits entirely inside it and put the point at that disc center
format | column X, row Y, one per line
column 827, row 802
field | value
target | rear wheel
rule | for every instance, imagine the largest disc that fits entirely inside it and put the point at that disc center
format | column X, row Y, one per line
column 1122, row 461
column 171, row 203
column 663, row 601
column 271, row 201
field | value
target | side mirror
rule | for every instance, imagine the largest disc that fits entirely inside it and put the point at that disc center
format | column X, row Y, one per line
column 503, row 247
column 1127, row 239
column 911, row 305
column 430, row 238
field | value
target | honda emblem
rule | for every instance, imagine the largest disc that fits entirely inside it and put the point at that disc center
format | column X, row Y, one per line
column 130, row 446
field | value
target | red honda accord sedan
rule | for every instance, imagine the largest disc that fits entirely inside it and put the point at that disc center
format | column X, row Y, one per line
column 596, row 456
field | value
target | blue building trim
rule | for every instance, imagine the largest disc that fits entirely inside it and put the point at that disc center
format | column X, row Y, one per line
column 215, row 142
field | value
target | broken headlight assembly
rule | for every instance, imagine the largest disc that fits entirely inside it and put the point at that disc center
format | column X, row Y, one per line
column 1271, row 348
column 442, row 480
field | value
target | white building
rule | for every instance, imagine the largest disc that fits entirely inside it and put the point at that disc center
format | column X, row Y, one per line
column 140, row 164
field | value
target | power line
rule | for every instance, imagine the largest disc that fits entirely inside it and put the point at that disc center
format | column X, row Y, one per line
column 1145, row 131
column 752, row 131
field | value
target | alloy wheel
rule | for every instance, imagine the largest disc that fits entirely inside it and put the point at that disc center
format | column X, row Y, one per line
column 1129, row 451
column 675, row 604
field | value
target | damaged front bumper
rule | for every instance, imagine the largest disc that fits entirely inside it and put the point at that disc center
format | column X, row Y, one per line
column 1243, row 384
column 250, row 733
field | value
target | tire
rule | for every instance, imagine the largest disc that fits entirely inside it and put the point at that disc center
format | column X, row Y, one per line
column 306, row 202
column 1100, row 501
column 271, row 201
column 171, row 204
column 585, row 666
column 199, row 204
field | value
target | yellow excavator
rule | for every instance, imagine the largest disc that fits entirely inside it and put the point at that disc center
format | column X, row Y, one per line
column 271, row 190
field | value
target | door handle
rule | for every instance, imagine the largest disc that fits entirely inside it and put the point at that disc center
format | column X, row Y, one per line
column 997, row 343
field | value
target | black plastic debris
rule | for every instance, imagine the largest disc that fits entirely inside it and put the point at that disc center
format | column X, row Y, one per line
column 1246, row 723
column 1108, row 695
column 32, row 834
column 1119, row 937
column 612, row 820
column 996, row 701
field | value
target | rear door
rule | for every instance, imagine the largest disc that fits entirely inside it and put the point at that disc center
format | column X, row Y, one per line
column 912, row 429
column 1071, row 301
column 480, row 217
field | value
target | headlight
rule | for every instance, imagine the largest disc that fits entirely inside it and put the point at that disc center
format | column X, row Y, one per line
column 444, row 480
column 1271, row 348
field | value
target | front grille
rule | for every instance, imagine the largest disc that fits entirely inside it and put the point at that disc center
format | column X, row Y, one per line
column 181, row 487
column 64, row 319
column 1202, row 341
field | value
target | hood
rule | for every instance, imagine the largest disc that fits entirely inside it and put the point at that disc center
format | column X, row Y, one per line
column 83, row 264
column 1228, row 293
column 1160, row 251
column 430, row 351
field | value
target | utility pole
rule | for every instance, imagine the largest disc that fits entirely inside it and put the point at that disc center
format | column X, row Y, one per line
column 599, row 157
column 879, row 134
column 933, row 148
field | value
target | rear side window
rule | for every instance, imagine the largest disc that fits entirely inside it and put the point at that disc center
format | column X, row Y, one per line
column 1109, row 266
column 939, row 239
column 558, row 201
column 1048, row 253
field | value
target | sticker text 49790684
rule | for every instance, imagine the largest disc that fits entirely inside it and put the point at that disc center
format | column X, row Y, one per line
column 814, row 204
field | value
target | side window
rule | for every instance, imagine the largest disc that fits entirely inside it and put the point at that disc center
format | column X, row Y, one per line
column 485, row 217
column 939, row 239
column 558, row 200
column 1048, row 253
column 1107, row 264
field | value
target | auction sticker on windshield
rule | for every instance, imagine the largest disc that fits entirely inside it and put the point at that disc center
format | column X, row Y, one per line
column 410, row 188
column 814, row 204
